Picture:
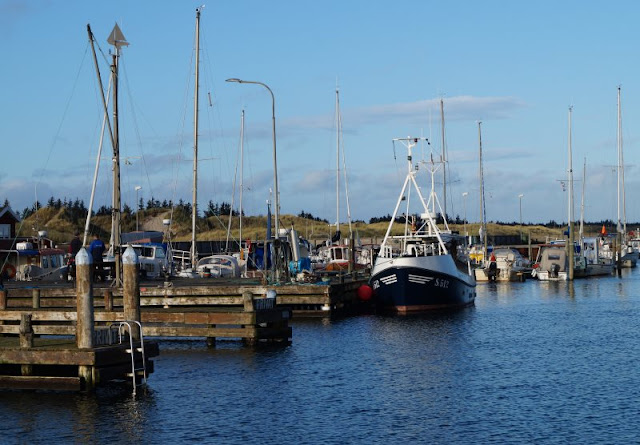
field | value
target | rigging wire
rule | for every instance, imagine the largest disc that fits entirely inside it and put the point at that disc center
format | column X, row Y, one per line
column 136, row 128
column 58, row 131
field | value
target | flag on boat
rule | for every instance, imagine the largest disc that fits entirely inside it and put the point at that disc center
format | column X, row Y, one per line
column 603, row 232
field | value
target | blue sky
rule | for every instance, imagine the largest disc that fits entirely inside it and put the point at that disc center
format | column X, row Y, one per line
column 516, row 66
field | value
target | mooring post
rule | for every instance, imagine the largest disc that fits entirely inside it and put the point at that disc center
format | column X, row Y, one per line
column 619, row 253
column 247, row 300
column 131, row 289
column 84, row 298
column 108, row 300
column 26, row 340
column 26, row 331
column 3, row 304
column 35, row 296
column 249, row 306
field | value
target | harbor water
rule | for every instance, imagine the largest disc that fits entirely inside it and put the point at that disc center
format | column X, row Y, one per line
column 528, row 363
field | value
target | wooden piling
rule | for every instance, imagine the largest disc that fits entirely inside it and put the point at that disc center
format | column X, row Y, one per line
column 85, row 321
column 247, row 300
column 3, row 303
column 131, row 289
column 35, row 295
column 26, row 331
column 618, row 253
column 26, row 341
column 108, row 300
column 249, row 306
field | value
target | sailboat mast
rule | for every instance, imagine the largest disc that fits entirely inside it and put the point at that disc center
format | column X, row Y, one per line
column 115, row 210
column 194, row 200
column 241, row 174
column 105, row 104
column 621, row 190
column 346, row 184
column 570, row 248
column 337, row 161
column 116, row 38
column 444, row 161
column 105, row 119
column 340, row 142
column 483, row 212
column 584, row 181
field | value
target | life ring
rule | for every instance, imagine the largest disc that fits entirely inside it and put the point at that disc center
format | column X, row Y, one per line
column 9, row 270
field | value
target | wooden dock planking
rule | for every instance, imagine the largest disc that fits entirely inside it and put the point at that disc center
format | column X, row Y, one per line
column 41, row 382
column 303, row 299
column 64, row 352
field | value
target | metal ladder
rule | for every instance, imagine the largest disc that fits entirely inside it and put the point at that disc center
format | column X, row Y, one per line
column 134, row 371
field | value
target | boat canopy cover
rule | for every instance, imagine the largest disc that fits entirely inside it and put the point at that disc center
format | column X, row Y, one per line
column 553, row 255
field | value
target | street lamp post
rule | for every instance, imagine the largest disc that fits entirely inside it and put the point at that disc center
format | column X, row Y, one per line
column 520, row 197
column 464, row 204
column 275, row 164
column 138, row 188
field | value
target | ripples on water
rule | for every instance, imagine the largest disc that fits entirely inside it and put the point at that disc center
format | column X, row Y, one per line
column 531, row 362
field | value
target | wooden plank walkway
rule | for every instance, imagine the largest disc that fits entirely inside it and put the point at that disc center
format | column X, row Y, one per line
column 304, row 300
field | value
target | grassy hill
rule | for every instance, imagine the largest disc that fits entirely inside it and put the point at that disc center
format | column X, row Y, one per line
column 60, row 225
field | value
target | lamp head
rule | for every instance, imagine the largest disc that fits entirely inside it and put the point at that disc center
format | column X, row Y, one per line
column 234, row 79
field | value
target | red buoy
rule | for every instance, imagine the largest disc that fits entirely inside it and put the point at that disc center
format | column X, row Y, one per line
column 365, row 292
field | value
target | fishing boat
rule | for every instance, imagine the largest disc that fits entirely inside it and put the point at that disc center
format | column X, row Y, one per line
column 419, row 270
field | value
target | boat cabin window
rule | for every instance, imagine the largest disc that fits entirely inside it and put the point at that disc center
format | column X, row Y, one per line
column 337, row 254
column 5, row 230
column 54, row 261
column 45, row 262
column 146, row 252
column 160, row 253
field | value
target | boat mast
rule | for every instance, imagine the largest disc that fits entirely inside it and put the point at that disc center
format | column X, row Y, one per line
column 621, row 191
column 105, row 120
column 241, row 179
column 444, row 161
column 194, row 199
column 116, row 38
column 483, row 211
column 344, row 171
column 584, row 181
column 337, row 162
column 570, row 246
column 233, row 191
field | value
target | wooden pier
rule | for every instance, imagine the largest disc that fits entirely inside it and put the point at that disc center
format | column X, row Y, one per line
column 82, row 355
column 324, row 298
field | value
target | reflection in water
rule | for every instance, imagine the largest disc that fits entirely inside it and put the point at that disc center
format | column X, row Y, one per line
column 530, row 362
